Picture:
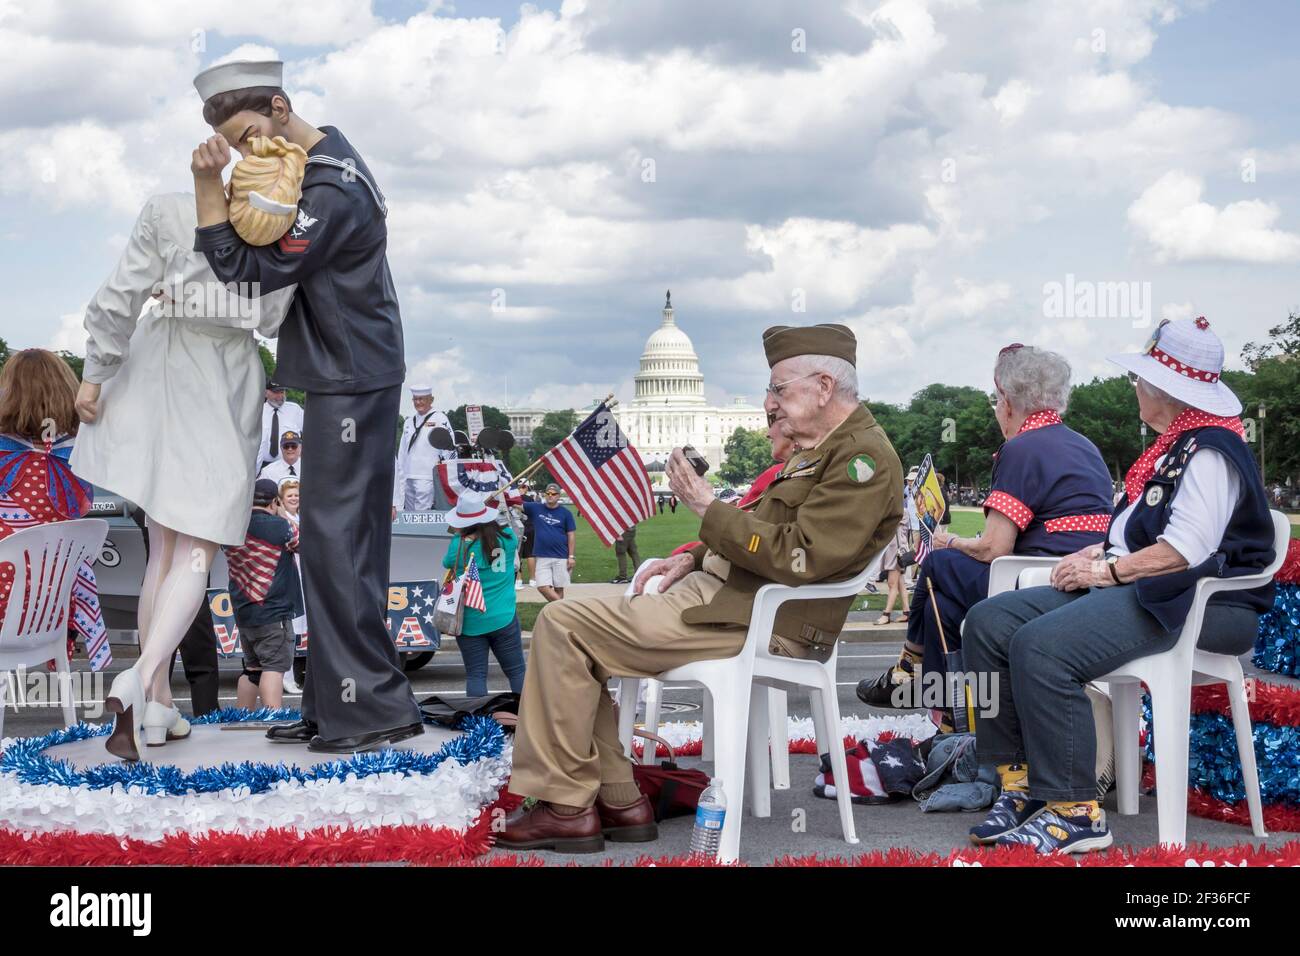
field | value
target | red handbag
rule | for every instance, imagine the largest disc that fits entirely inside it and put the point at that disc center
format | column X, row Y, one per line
column 672, row 791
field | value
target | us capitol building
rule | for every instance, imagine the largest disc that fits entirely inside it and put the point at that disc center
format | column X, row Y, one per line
column 669, row 409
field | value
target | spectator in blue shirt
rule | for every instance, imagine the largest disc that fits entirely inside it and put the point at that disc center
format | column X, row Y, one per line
column 554, row 536
column 492, row 547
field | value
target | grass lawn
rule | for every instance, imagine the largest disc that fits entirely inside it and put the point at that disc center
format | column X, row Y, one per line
column 659, row 535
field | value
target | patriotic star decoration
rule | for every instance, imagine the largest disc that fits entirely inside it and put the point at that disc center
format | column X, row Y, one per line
column 892, row 761
column 428, row 619
column 428, row 601
column 417, row 591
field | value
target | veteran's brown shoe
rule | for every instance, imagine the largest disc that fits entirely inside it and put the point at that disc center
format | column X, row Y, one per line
column 630, row 824
column 541, row 828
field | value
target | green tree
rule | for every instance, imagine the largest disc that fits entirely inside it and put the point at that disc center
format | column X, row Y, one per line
column 555, row 427
column 953, row 424
column 748, row 453
column 1274, row 380
column 1105, row 411
column 75, row 362
column 492, row 418
column 4, row 351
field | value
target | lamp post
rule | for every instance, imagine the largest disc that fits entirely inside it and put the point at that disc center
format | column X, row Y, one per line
column 1144, row 436
column 1263, row 460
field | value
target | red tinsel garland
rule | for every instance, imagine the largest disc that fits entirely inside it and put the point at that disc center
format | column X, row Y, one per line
column 328, row 846
column 1249, row 854
column 1289, row 573
column 1271, row 704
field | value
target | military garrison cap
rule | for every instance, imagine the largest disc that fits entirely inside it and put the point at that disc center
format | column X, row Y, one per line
column 781, row 342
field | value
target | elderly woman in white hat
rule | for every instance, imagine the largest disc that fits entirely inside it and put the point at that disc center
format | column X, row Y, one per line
column 480, row 537
column 1195, row 506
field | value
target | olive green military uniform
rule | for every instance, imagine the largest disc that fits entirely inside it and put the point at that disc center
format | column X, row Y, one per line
column 823, row 518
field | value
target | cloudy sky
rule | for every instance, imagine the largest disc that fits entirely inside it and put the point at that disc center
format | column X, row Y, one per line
column 923, row 170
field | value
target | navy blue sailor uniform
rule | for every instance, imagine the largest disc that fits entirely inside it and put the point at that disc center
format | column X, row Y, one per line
column 1052, row 483
column 342, row 344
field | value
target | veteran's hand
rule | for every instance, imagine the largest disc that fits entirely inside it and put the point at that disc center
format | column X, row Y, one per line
column 673, row 569
column 694, row 491
column 210, row 158
column 87, row 401
column 1077, row 571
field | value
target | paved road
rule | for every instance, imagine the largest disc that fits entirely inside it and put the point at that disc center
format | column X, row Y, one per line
column 801, row 824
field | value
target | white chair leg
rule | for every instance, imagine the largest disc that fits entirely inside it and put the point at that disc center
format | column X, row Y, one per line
column 826, row 703
column 4, row 694
column 1125, row 707
column 759, row 784
column 1171, row 708
column 778, row 733
column 63, row 675
column 706, row 729
column 628, row 690
column 731, row 725
column 1246, row 751
column 821, row 733
column 653, row 692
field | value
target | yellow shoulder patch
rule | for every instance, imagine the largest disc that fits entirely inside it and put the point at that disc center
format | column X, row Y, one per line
column 752, row 547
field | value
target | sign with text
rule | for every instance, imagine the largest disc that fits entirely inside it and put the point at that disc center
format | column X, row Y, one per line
column 474, row 421
column 410, row 619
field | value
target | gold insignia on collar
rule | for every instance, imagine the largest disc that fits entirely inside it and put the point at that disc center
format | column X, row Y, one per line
column 752, row 547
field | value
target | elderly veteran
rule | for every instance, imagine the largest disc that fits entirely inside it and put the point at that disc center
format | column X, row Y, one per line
column 1050, row 495
column 1194, row 507
column 833, row 506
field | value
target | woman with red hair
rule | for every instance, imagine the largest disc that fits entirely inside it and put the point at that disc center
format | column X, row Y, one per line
column 38, row 421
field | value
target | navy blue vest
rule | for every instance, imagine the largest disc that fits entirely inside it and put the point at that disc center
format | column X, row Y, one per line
column 1247, row 545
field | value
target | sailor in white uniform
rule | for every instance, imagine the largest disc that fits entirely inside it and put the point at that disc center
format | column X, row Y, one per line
column 278, row 417
column 416, row 457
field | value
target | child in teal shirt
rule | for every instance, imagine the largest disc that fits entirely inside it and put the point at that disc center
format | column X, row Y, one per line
column 496, row 628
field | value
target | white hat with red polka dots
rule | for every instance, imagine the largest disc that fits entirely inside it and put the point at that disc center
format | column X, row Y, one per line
column 1185, row 359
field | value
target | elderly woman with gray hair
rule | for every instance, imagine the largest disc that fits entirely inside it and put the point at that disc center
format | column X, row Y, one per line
column 1194, row 507
column 1050, row 495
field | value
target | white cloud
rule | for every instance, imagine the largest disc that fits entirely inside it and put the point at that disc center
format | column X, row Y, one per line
column 1172, row 217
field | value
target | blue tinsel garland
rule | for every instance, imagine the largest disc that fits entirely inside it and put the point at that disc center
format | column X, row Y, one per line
column 1213, row 766
column 25, row 759
column 1277, row 648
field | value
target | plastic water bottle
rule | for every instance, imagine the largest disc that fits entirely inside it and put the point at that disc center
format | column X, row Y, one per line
column 710, row 813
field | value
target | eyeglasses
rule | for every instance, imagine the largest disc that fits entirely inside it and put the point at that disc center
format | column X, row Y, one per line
column 994, row 399
column 777, row 390
column 1134, row 378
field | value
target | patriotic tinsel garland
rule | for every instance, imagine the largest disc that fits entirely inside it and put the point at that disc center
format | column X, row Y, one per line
column 1217, row 789
column 1277, row 646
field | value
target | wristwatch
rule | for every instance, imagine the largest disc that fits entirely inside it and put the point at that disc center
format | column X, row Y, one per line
column 1111, row 561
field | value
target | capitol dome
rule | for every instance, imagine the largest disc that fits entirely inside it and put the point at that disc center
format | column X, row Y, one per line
column 670, row 369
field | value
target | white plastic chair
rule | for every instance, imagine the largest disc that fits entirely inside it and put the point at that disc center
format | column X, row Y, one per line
column 1169, row 677
column 741, row 721
column 45, row 560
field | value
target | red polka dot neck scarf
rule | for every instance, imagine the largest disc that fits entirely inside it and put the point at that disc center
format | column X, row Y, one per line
column 1188, row 419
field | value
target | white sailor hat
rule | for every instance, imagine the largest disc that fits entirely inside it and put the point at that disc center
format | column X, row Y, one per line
column 238, row 75
column 418, row 391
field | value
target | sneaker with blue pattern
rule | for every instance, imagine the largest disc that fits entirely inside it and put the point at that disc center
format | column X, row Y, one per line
column 1013, row 809
column 1051, row 832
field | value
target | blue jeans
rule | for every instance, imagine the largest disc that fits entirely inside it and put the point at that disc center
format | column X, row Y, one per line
column 1043, row 645
column 507, row 645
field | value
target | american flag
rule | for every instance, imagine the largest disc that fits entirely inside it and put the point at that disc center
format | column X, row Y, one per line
column 473, row 587
column 252, row 565
column 604, row 475
column 924, row 543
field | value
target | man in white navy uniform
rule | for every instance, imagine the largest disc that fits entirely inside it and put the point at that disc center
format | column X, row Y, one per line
column 278, row 417
column 416, row 457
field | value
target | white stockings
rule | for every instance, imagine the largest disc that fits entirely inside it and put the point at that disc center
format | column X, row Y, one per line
column 175, row 582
